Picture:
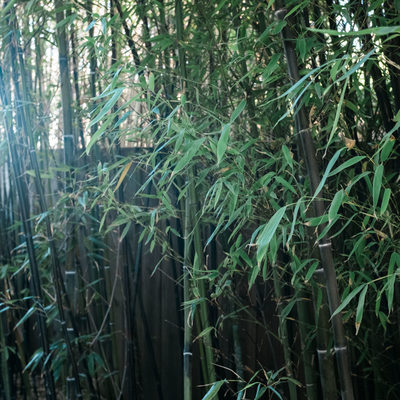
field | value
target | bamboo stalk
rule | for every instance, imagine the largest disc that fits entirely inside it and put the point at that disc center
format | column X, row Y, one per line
column 372, row 70
column 6, row 390
column 128, row 35
column 210, row 376
column 75, row 75
column 190, row 209
column 283, row 332
column 57, row 276
column 56, row 268
column 324, row 245
column 306, row 352
column 325, row 360
column 36, row 287
column 66, row 92
column 188, row 325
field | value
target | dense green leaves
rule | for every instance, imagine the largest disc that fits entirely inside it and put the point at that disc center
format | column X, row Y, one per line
column 267, row 233
column 199, row 103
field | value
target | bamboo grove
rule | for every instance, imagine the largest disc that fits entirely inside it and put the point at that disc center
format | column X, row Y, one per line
column 199, row 199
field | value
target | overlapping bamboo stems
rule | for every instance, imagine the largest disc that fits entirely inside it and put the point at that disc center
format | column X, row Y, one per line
column 325, row 356
column 22, row 190
column 10, row 287
column 75, row 75
column 4, row 260
column 131, row 302
column 126, row 250
column 128, row 35
column 304, row 323
column 283, row 332
column 24, row 115
column 4, row 367
column 66, row 92
column 188, row 323
column 244, row 81
column 90, row 270
column 325, row 359
column 324, row 245
column 69, row 142
column 373, row 71
column 188, row 249
column 193, row 235
column 192, row 264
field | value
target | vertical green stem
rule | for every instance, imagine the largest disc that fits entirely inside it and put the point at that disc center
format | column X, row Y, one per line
column 187, row 340
column 283, row 332
column 36, row 287
column 324, row 245
column 307, row 352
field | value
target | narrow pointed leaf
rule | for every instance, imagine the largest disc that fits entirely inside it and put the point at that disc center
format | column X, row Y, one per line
column 213, row 390
column 123, row 175
column 223, row 142
column 238, row 110
column 268, row 232
column 377, row 185
column 360, row 308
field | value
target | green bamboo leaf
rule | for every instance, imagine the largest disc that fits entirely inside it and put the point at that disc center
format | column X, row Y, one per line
column 326, row 174
column 377, row 185
column 348, row 299
column 346, row 164
column 151, row 82
column 387, row 148
column 96, row 136
column 300, row 81
column 223, row 142
column 7, row 7
column 301, row 46
column 213, row 390
column 125, row 231
column 311, row 271
column 337, row 115
column 335, row 205
column 260, row 392
column 238, row 110
column 295, row 212
column 360, row 308
column 328, row 227
column 187, row 157
column 389, row 287
column 34, row 361
column 356, row 66
column 204, row 332
column 385, row 200
column 253, row 276
column 26, row 316
column 107, row 107
column 285, row 184
column 288, row 156
column 268, row 232
column 272, row 65
column 390, row 291
column 315, row 221
column 335, row 68
column 344, row 226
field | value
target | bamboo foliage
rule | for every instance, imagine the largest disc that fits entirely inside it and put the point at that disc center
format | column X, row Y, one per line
column 324, row 245
column 204, row 199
